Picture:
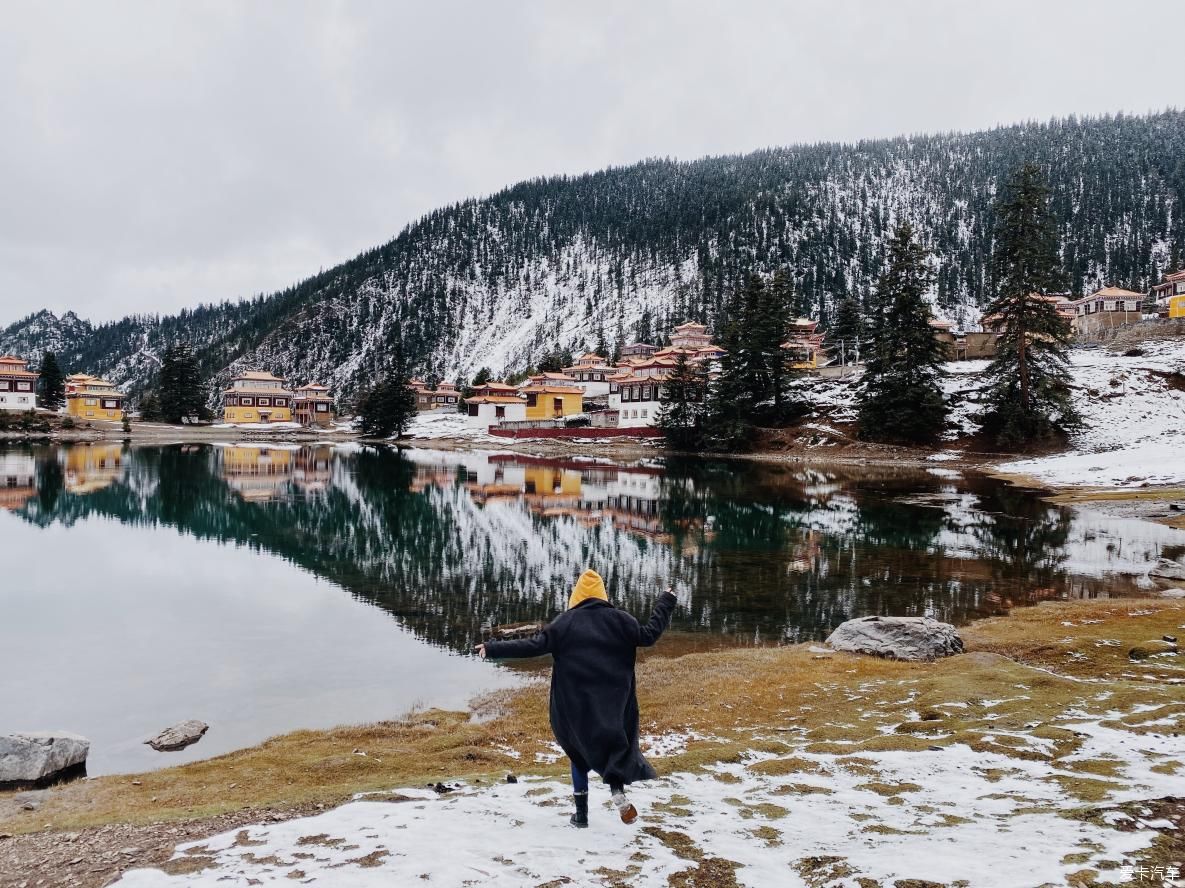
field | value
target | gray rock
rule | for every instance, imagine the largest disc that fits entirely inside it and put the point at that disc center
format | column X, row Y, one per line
column 1167, row 569
column 899, row 638
column 39, row 757
column 178, row 736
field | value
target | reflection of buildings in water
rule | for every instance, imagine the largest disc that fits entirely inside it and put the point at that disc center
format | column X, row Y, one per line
column 313, row 469
column 631, row 498
column 91, row 467
column 427, row 475
column 17, row 479
column 806, row 554
column 256, row 473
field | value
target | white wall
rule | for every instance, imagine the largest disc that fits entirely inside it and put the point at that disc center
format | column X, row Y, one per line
column 18, row 401
column 486, row 414
column 637, row 414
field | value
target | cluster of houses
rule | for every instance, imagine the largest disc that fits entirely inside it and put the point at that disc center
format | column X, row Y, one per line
column 87, row 397
column 625, row 394
column 253, row 397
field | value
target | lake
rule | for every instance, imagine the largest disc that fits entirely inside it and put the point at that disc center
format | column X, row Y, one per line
column 268, row 588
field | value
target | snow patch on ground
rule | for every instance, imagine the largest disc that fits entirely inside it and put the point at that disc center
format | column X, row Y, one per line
column 1134, row 421
column 933, row 815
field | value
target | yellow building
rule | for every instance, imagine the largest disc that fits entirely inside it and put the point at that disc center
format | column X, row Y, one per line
column 1177, row 306
column 90, row 398
column 257, row 397
column 548, row 400
column 91, row 467
column 257, row 474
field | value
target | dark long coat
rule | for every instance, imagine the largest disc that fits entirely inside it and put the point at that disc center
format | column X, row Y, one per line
column 594, row 704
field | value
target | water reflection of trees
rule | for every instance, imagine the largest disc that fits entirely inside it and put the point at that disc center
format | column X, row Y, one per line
column 445, row 542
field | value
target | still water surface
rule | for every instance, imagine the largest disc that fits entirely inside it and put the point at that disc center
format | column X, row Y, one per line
column 263, row 589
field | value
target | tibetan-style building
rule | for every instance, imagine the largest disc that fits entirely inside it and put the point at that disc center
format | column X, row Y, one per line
column 312, row 405
column 257, row 397
column 18, row 384
column 89, row 398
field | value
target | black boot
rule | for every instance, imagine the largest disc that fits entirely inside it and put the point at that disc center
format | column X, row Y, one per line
column 580, row 818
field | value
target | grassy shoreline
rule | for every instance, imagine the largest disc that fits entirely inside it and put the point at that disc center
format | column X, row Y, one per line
column 735, row 691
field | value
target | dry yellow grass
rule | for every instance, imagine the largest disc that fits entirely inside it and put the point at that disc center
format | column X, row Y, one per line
column 1021, row 673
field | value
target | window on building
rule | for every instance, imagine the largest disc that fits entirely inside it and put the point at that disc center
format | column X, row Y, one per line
column 322, row 408
column 532, row 399
column 1179, row 288
column 645, row 393
column 1109, row 305
column 248, row 402
column 500, row 412
column 281, row 402
column 265, row 402
column 473, row 409
column 4, row 385
column 24, row 386
column 90, row 402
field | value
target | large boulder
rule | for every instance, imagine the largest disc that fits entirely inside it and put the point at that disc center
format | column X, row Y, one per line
column 178, row 736
column 41, row 757
column 899, row 638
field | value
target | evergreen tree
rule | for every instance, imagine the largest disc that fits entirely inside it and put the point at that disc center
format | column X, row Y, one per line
column 181, row 389
column 753, row 387
column 683, row 413
column 52, row 382
column 1028, row 380
column 150, row 408
column 847, row 329
column 645, row 328
column 386, row 409
column 900, row 397
column 771, row 326
column 482, row 377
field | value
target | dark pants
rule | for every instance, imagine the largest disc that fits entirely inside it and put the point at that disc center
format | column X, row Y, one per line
column 580, row 782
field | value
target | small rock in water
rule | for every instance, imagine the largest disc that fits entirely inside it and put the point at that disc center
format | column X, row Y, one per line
column 178, row 736
column 1171, row 639
column 41, row 757
column 510, row 778
column 899, row 638
column 441, row 788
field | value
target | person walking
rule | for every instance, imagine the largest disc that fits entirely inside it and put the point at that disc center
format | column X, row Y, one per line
column 594, row 702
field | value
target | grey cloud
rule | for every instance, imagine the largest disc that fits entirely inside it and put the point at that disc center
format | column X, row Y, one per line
column 158, row 155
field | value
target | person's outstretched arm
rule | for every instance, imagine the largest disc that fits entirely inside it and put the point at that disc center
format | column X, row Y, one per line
column 535, row 646
column 659, row 620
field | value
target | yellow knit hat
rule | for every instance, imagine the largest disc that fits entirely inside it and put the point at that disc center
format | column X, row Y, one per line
column 590, row 585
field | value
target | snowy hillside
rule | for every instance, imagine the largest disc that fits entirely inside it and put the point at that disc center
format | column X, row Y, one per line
column 625, row 253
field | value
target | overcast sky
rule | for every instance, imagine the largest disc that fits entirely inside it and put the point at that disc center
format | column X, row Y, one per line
column 160, row 154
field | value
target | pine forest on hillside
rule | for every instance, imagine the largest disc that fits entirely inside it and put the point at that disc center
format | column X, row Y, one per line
column 627, row 252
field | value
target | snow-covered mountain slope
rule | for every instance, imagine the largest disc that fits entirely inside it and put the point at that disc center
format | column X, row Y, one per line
column 627, row 252
column 44, row 331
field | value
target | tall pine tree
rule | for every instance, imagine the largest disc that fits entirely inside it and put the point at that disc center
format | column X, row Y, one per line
column 1028, row 380
column 389, row 406
column 847, row 329
column 181, row 393
column 52, row 382
column 753, row 385
column 900, row 397
column 683, row 413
